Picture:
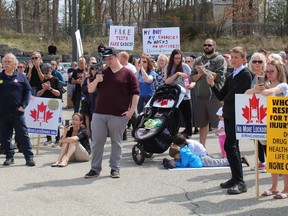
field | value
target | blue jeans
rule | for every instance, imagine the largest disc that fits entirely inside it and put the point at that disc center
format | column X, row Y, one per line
column 142, row 102
column 15, row 120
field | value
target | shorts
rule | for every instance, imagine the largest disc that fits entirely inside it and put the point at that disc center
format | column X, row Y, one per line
column 205, row 112
column 85, row 108
column 80, row 154
column 70, row 89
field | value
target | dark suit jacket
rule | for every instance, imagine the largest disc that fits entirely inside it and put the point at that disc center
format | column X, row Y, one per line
column 237, row 85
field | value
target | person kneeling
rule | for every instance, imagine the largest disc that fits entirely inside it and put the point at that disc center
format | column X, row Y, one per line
column 74, row 143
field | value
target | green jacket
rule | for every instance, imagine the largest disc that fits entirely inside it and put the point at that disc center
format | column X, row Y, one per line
column 217, row 65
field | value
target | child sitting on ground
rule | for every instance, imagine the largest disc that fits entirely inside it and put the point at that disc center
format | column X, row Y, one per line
column 195, row 148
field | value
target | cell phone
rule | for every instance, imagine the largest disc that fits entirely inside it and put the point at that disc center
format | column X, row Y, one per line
column 67, row 122
column 260, row 79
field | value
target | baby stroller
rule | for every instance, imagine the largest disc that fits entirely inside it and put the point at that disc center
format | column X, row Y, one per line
column 155, row 128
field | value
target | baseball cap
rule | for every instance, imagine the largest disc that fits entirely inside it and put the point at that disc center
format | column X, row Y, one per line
column 226, row 55
column 219, row 112
column 110, row 51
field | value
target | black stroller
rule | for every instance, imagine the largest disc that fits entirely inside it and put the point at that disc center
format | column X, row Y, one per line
column 163, row 107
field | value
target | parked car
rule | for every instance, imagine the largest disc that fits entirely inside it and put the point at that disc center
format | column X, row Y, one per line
column 63, row 68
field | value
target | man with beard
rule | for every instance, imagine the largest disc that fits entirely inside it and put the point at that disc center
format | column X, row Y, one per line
column 206, row 102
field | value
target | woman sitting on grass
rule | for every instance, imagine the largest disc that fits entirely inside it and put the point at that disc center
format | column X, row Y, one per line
column 74, row 143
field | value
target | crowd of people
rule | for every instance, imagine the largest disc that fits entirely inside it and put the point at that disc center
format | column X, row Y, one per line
column 105, row 97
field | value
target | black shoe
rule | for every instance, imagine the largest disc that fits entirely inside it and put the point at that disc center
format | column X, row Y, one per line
column 228, row 184
column 92, row 174
column 244, row 160
column 238, row 188
column 115, row 174
column 30, row 162
column 196, row 131
column 8, row 162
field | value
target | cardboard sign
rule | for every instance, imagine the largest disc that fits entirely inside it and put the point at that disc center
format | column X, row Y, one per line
column 160, row 40
column 121, row 37
column 42, row 115
column 277, row 133
column 250, row 114
column 79, row 44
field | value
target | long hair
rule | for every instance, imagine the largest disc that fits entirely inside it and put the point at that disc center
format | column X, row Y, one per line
column 149, row 62
column 80, row 117
column 280, row 71
column 171, row 62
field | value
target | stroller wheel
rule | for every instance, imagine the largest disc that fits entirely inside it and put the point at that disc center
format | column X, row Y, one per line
column 138, row 154
column 148, row 155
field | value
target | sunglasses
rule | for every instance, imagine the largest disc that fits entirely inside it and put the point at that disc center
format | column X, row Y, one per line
column 34, row 58
column 209, row 45
column 144, row 62
column 45, row 73
column 257, row 61
column 270, row 72
column 19, row 66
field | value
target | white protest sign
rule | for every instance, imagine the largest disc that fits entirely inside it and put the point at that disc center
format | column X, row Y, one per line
column 79, row 44
column 160, row 40
column 250, row 111
column 42, row 115
column 121, row 37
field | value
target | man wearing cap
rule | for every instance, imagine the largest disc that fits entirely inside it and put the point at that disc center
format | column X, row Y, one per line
column 117, row 98
column 15, row 92
column 207, row 103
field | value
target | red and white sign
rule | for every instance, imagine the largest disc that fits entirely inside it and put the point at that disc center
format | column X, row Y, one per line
column 250, row 113
column 42, row 115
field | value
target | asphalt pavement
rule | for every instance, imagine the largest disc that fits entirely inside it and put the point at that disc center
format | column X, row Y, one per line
column 148, row 189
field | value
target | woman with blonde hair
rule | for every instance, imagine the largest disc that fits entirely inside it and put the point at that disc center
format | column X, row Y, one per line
column 162, row 61
column 257, row 65
column 74, row 143
column 274, row 84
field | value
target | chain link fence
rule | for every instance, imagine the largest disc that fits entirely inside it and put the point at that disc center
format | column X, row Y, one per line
column 188, row 29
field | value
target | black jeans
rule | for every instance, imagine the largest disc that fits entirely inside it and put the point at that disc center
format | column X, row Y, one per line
column 185, row 108
column 231, row 147
column 15, row 120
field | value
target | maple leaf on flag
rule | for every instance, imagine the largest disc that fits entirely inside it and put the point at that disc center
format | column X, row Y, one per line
column 41, row 113
column 262, row 113
column 33, row 114
column 246, row 114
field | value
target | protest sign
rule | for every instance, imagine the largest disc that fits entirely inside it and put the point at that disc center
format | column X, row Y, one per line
column 160, row 40
column 42, row 115
column 277, row 133
column 121, row 37
column 250, row 113
column 79, row 44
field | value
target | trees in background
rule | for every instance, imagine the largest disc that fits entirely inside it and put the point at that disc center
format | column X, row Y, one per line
column 35, row 16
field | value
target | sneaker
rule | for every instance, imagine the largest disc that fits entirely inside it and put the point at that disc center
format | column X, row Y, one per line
column 238, row 188
column 48, row 142
column 228, row 184
column 244, row 160
column 115, row 174
column 55, row 144
column 8, row 162
column 30, row 162
column 262, row 167
column 91, row 174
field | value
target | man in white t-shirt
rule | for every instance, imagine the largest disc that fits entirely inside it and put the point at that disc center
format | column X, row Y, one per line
column 123, row 58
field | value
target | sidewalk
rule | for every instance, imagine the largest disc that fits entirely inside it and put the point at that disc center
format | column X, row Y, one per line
column 148, row 189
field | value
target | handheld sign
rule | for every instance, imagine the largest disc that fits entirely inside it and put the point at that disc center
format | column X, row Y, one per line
column 121, row 37
column 79, row 44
